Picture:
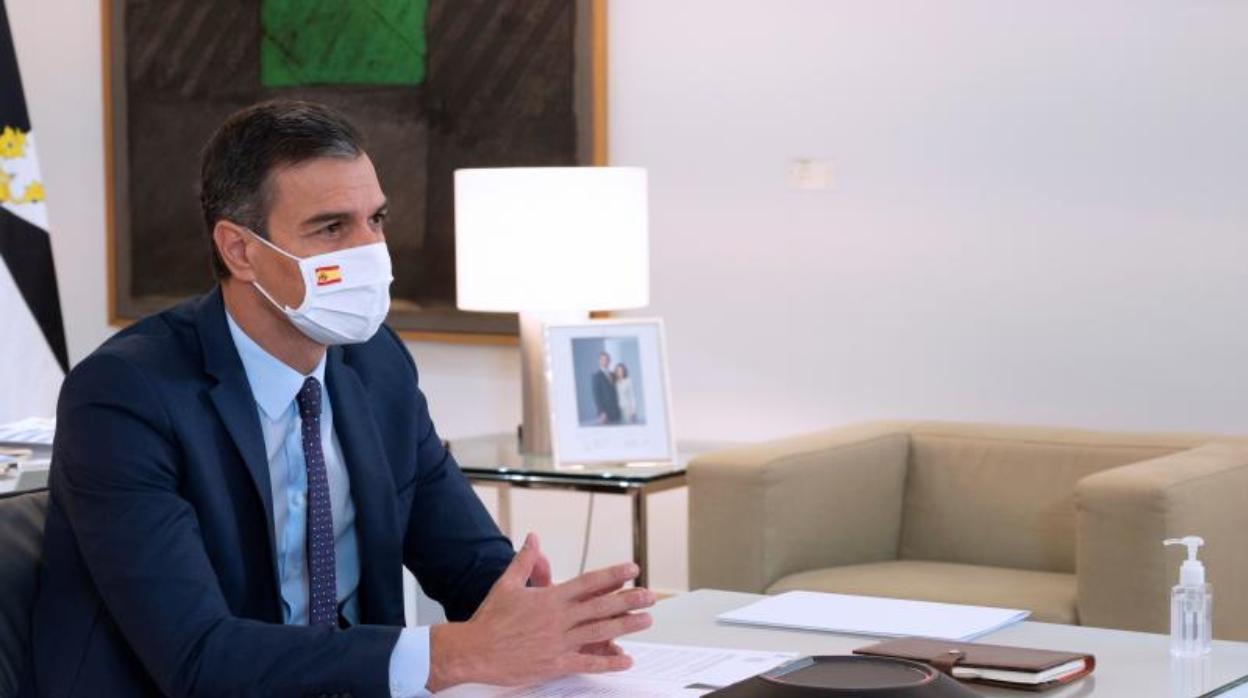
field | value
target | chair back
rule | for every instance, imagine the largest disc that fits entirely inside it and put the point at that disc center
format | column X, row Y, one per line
column 1005, row 496
column 21, row 549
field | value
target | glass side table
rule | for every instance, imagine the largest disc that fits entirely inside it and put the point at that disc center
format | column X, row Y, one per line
column 496, row 458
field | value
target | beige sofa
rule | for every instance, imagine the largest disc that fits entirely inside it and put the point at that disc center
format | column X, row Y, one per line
column 1068, row 524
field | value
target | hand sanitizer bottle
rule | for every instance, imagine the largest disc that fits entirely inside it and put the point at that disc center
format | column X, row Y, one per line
column 1191, row 604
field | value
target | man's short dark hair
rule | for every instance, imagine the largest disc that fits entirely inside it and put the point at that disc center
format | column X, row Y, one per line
column 237, row 160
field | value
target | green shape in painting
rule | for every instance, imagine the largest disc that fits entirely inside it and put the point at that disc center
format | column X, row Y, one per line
column 332, row 42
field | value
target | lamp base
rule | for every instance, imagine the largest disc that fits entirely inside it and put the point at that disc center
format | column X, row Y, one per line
column 535, row 435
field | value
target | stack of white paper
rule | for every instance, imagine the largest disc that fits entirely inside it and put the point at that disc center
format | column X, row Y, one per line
column 34, row 435
column 10, row 460
column 869, row 615
column 32, row 430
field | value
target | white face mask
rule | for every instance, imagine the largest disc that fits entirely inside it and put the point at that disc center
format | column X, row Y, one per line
column 346, row 294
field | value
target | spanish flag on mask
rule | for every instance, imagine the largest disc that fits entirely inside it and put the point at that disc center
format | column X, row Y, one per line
column 326, row 276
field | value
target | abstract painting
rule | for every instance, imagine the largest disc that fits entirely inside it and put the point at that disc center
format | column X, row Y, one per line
column 434, row 85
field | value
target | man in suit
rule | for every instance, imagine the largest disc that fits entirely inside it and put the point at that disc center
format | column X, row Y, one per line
column 238, row 482
column 606, row 400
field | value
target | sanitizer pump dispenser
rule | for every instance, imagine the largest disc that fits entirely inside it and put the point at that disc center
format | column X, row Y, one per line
column 1191, row 604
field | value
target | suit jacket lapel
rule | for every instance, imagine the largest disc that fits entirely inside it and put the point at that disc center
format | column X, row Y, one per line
column 235, row 404
column 372, row 491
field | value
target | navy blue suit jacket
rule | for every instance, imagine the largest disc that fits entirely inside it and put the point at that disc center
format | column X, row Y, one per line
column 606, row 399
column 159, row 568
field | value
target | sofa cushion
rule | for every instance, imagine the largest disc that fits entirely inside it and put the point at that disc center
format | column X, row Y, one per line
column 1006, row 497
column 1050, row 596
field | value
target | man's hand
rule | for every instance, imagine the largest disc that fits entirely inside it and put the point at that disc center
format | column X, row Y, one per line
column 525, row 634
column 541, row 578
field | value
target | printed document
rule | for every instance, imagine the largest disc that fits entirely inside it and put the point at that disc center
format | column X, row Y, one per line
column 32, row 430
column 657, row 671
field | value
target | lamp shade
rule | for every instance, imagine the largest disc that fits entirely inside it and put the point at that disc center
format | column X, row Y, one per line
column 551, row 239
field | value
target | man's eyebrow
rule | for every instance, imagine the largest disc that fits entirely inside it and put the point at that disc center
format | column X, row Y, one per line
column 327, row 217
column 331, row 216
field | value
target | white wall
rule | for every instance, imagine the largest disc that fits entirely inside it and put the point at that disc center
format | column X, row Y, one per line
column 1040, row 215
column 1041, row 210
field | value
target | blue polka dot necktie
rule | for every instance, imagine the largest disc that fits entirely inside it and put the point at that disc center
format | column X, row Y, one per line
column 322, row 586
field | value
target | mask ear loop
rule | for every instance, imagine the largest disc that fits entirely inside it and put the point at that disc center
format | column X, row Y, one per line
column 270, row 245
column 284, row 308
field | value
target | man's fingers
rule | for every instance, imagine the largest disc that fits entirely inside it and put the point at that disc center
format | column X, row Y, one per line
column 603, row 649
column 521, row 568
column 611, row 605
column 595, row 663
column 541, row 571
column 598, row 581
column 601, row 591
column 609, row 629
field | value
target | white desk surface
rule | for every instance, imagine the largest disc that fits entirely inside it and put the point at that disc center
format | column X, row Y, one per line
column 1128, row 664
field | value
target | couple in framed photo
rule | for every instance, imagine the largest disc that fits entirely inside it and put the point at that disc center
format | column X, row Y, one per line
column 614, row 396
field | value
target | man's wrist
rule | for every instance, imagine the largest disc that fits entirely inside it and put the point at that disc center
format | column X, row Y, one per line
column 450, row 656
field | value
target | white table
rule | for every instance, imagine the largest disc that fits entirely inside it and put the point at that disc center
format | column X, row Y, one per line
column 1129, row 665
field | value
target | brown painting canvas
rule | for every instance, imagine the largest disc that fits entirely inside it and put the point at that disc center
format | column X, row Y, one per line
column 434, row 85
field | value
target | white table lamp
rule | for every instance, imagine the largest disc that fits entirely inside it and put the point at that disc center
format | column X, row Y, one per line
column 552, row 244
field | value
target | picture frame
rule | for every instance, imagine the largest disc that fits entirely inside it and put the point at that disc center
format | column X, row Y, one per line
column 486, row 98
column 609, row 392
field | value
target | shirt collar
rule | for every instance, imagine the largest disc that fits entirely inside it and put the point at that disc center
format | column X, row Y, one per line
column 273, row 383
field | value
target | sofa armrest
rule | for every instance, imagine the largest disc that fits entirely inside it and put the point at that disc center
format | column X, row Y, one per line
column 831, row 498
column 1125, row 573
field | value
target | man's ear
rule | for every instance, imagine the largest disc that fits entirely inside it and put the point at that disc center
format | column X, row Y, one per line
column 232, row 243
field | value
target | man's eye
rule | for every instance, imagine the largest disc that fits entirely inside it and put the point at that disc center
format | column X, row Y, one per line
column 378, row 218
column 332, row 229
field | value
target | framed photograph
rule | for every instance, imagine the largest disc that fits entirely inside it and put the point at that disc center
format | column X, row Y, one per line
column 608, row 390
column 434, row 85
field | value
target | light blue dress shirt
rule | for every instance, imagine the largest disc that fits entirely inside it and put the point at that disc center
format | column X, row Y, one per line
column 274, row 386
